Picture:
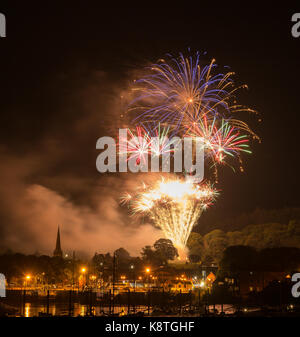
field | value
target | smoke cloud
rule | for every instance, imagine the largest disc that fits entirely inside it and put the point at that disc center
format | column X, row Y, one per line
column 51, row 178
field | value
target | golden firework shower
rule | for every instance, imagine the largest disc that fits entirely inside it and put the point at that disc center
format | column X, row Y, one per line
column 173, row 204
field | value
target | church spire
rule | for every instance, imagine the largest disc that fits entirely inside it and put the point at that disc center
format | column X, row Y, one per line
column 58, row 252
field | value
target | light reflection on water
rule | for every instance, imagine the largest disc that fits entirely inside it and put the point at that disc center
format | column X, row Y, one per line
column 27, row 310
column 31, row 310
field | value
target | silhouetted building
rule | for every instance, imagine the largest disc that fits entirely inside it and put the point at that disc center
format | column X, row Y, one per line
column 58, row 252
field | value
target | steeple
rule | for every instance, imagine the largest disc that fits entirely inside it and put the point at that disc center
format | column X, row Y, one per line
column 58, row 252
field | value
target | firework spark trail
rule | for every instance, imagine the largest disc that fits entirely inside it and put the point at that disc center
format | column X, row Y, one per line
column 162, row 141
column 229, row 141
column 220, row 140
column 177, row 90
column 137, row 145
column 143, row 141
column 174, row 205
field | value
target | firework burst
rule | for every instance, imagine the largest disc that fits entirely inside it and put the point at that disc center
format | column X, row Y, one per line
column 179, row 96
column 173, row 204
column 136, row 144
column 220, row 138
column 179, row 90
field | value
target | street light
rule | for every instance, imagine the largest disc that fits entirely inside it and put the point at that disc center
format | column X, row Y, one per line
column 83, row 271
column 148, row 272
column 27, row 279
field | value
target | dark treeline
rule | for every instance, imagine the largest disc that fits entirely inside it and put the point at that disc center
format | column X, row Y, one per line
column 210, row 247
column 209, row 220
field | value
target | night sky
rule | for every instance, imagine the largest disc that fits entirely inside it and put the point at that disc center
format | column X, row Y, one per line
column 63, row 69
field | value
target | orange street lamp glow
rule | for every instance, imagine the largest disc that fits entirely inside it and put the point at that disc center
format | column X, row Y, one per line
column 148, row 270
column 28, row 277
column 83, row 270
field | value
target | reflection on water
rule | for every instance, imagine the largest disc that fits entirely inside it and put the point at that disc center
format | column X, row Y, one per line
column 32, row 309
column 27, row 310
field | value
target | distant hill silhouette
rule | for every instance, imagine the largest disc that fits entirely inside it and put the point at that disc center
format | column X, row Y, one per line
column 208, row 223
